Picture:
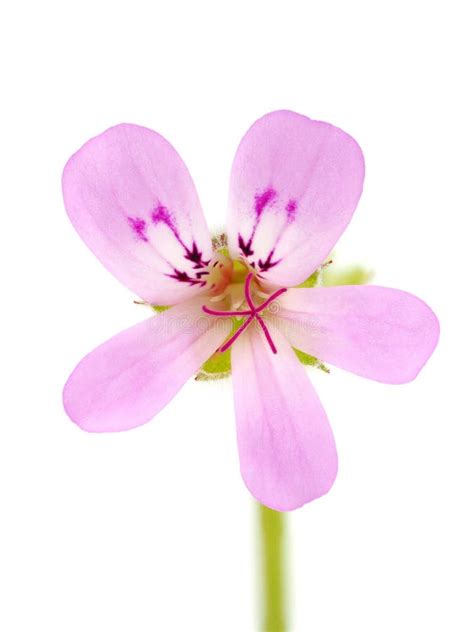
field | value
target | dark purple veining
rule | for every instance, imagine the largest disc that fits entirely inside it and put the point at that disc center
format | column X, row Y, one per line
column 162, row 215
column 245, row 247
column 195, row 256
column 183, row 277
column 268, row 263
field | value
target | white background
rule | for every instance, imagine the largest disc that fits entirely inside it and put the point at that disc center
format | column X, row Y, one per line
column 153, row 529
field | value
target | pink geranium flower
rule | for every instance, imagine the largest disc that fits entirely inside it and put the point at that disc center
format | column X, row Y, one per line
column 294, row 186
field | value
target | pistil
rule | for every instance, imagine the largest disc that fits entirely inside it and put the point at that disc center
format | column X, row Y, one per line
column 252, row 313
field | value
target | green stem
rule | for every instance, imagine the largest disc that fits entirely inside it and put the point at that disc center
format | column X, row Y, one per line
column 273, row 571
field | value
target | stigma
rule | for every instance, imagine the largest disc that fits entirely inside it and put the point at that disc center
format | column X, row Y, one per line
column 254, row 312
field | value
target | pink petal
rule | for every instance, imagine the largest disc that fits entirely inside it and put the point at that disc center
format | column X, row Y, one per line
column 287, row 451
column 132, row 200
column 128, row 379
column 295, row 184
column 379, row 333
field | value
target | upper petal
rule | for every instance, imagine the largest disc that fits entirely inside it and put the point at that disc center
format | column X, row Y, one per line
column 133, row 202
column 294, row 186
column 286, row 447
column 128, row 379
column 377, row 332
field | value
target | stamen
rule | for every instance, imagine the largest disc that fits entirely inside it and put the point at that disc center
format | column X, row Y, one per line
column 253, row 313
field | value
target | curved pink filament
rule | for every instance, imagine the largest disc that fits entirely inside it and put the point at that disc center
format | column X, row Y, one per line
column 253, row 312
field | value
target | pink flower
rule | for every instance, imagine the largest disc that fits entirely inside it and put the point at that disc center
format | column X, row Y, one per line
column 294, row 186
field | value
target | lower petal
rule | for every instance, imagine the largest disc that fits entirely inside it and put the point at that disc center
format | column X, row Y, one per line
column 131, row 377
column 286, row 446
column 376, row 332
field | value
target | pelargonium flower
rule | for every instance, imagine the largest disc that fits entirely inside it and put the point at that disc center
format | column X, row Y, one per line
column 294, row 186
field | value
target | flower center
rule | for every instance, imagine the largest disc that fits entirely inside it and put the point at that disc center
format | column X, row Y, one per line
column 220, row 271
column 253, row 313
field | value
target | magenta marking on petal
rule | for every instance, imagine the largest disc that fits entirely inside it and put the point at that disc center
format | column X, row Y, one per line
column 252, row 313
column 264, row 199
column 161, row 214
column 291, row 210
column 138, row 226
